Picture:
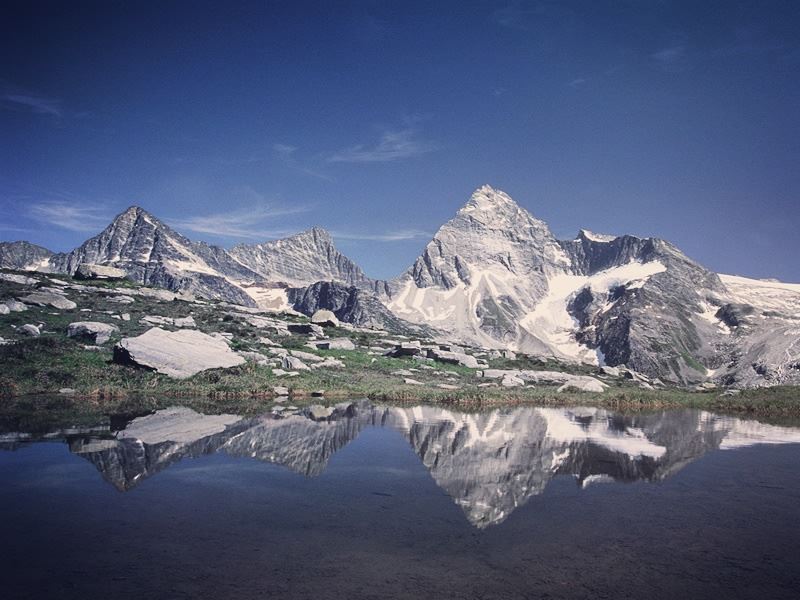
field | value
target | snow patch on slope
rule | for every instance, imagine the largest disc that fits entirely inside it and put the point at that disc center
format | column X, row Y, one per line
column 551, row 322
column 765, row 294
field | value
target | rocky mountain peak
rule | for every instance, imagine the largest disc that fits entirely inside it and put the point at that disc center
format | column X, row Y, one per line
column 585, row 234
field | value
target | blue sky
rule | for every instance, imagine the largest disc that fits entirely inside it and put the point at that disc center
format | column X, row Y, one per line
column 238, row 122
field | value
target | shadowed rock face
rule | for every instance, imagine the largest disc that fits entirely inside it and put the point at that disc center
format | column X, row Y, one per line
column 22, row 256
column 151, row 253
column 488, row 463
column 350, row 304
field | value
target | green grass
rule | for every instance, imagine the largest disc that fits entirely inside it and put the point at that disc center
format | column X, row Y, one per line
column 37, row 367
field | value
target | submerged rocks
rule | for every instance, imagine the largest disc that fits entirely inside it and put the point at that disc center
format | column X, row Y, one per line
column 179, row 354
column 92, row 332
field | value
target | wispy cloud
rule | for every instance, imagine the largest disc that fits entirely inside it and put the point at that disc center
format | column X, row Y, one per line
column 398, row 235
column 393, row 145
column 287, row 154
column 524, row 16
column 69, row 215
column 672, row 58
column 246, row 223
column 577, row 82
column 13, row 97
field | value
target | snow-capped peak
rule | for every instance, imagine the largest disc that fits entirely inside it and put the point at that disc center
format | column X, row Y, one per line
column 596, row 237
column 486, row 198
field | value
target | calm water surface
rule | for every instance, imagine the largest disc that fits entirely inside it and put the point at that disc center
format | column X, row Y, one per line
column 366, row 501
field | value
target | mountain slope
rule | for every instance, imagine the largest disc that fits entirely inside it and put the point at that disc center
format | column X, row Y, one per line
column 495, row 276
column 300, row 260
column 152, row 253
column 22, row 256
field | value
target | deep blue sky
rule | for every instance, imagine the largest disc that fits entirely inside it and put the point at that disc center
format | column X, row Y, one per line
column 240, row 121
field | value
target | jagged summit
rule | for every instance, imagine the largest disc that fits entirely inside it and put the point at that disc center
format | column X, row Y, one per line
column 301, row 259
column 595, row 237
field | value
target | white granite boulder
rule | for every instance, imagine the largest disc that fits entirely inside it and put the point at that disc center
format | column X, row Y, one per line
column 91, row 331
column 49, row 299
column 179, row 354
column 325, row 318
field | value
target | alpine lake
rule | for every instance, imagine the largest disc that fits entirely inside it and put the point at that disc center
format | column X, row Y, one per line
column 358, row 499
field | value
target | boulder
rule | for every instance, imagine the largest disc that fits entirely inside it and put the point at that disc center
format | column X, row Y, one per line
column 293, row 363
column 318, row 412
column 328, row 363
column 447, row 386
column 410, row 381
column 15, row 306
column 179, row 354
column 255, row 357
column 610, row 371
column 49, row 299
column 305, row 329
column 91, row 271
column 4, row 310
column 184, row 322
column 582, row 384
column 280, row 390
column 31, row 330
column 510, row 381
column 92, row 332
column 454, row 358
column 336, row 344
column 405, row 349
column 306, row 356
column 20, row 279
column 325, row 318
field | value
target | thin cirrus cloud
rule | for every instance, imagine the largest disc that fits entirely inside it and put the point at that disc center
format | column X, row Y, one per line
column 388, row 236
column 68, row 215
column 241, row 223
column 287, row 154
column 30, row 102
column 393, row 145
column 671, row 58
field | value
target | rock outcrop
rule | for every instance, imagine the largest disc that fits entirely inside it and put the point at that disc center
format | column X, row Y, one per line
column 179, row 354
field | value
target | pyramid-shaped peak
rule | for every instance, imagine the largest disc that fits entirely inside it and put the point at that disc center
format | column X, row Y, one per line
column 315, row 233
column 134, row 213
column 488, row 198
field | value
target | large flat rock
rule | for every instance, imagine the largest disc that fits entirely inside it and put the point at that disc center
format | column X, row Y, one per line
column 47, row 298
column 179, row 354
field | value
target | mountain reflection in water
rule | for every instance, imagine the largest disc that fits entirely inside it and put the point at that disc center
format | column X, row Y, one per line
column 489, row 463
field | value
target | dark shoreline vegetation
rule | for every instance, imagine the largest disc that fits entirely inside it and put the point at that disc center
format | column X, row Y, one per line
column 35, row 367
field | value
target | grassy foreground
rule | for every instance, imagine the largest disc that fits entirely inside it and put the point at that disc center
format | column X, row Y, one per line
column 39, row 367
column 36, row 367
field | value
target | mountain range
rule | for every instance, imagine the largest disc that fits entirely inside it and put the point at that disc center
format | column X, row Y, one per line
column 493, row 276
